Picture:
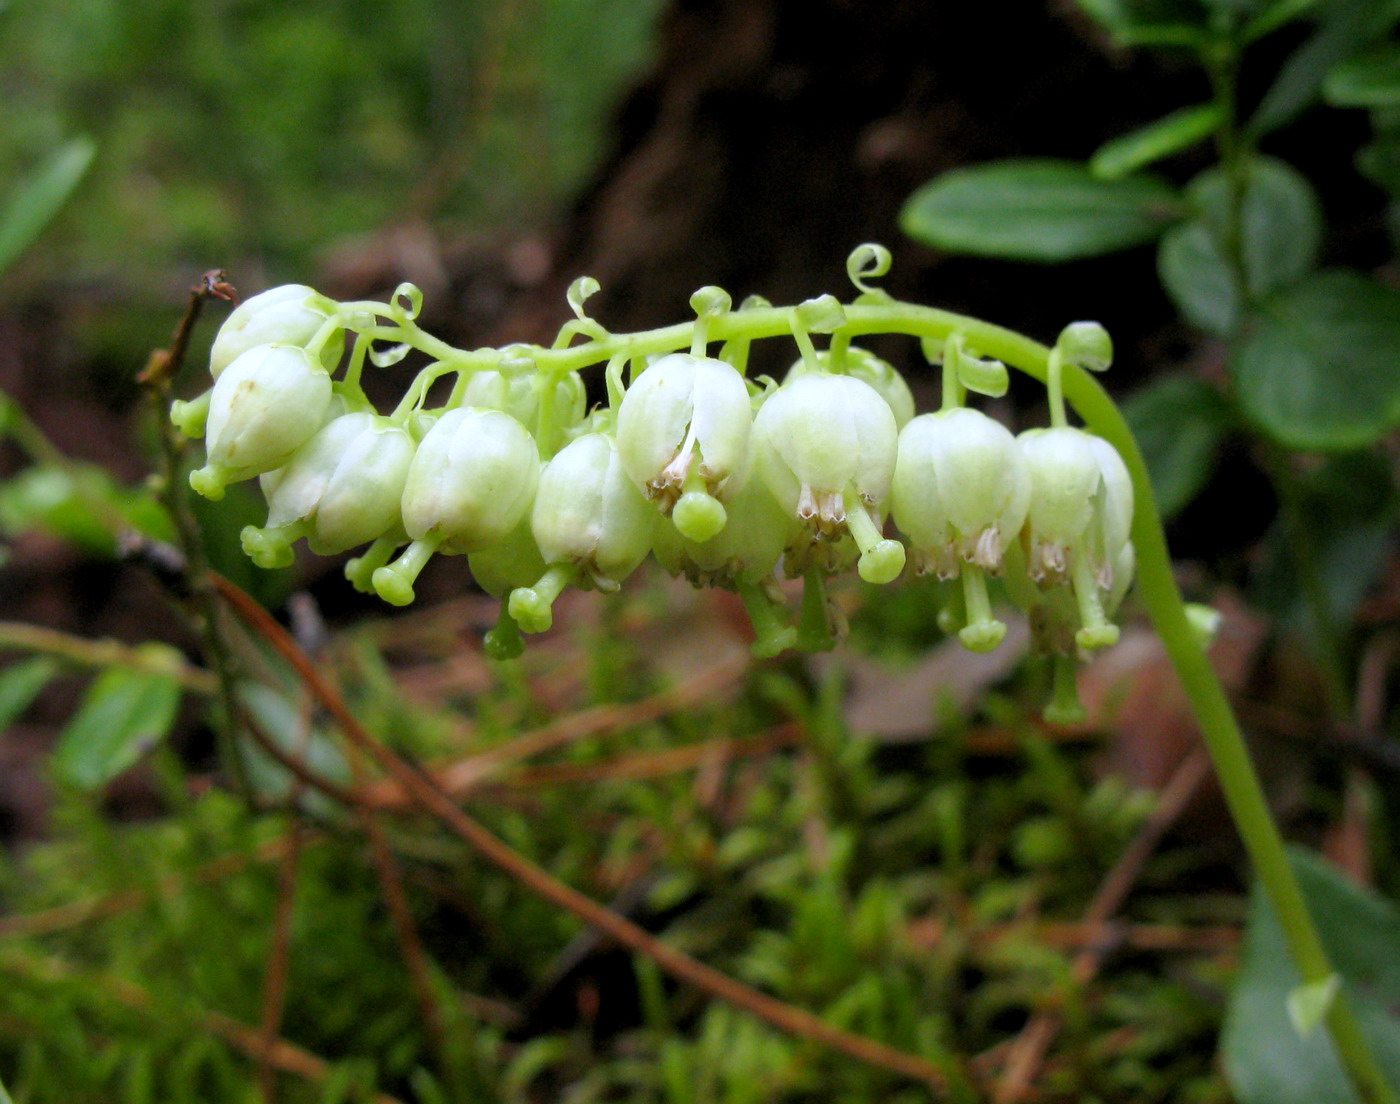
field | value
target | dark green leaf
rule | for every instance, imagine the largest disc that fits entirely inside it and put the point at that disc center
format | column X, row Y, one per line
column 1346, row 27
column 1317, row 366
column 1046, row 211
column 1371, row 80
column 1265, row 1059
column 1281, row 234
column 41, row 196
column 1175, row 132
column 124, row 714
column 1179, row 423
column 20, row 685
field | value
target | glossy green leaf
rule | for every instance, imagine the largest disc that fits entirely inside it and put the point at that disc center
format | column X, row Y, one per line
column 1345, row 27
column 1281, row 235
column 1046, row 211
column 1371, row 80
column 1179, row 423
column 20, row 685
column 41, row 197
column 124, row 714
column 1316, row 368
column 1265, row 1058
column 1171, row 134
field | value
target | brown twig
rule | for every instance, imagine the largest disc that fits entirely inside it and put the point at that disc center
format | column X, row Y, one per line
column 279, row 956
column 430, row 797
column 466, row 775
column 1028, row 1052
column 415, row 956
column 155, row 380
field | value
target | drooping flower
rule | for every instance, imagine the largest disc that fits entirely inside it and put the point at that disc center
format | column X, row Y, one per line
column 825, row 445
column 291, row 314
column 267, row 404
column 339, row 490
column 683, row 430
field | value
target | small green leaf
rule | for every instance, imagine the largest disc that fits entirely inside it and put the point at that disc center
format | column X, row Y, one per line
column 1048, row 211
column 1179, row 423
column 1309, row 1004
column 1317, row 366
column 41, row 197
column 21, row 684
column 1265, row 1058
column 1371, row 80
column 1281, row 235
column 1175, row 132
column 124, row 714
column 1346, row 26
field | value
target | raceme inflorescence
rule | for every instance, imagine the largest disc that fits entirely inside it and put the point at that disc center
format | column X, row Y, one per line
column 729, row 480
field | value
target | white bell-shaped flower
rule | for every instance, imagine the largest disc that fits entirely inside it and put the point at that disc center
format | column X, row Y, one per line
column 865, row 366
column 591, row 524
column 291, row 314
column 339, row 490
column 825, row 445
column 1081, row 514
column 471, row 482
column 960, row 491
column 683, row 430
column 266, row 405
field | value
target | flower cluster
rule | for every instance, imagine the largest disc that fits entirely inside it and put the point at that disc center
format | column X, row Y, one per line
column 729, row 480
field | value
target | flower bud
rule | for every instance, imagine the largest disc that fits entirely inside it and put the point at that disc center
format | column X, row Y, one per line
column 865, row 366
column 683, row 429
column 265, row 405
column 589, row 513
column 470, row 483
column 826, row 446
column 517, row 396
column 960, row 490
column 343, row 487
column 288, row 315
column 472, row 479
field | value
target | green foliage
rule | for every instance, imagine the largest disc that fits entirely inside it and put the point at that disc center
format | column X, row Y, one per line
column 1047, row 211
column 263, row 131
column 1171, row 134
column 1268, row 1060
column 808, row 873
column 1279, row 236
column 123, row 715
column 37, row 199
column 1316, row 367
